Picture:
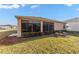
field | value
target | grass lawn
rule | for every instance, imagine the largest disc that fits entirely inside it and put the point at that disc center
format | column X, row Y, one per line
column 43, row 44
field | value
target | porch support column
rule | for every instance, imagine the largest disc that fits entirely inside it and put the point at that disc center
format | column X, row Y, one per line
column 19, row 28
column 41, row 28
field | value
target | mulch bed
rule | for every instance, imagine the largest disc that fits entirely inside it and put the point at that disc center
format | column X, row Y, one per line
column 10, row 40
column 15, row 40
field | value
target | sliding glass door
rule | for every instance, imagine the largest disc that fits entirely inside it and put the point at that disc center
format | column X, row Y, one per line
column 48, row 27
column 35, row 27
column 30, row 27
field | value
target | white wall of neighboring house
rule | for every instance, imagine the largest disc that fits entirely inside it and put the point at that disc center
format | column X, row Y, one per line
column 72, row 26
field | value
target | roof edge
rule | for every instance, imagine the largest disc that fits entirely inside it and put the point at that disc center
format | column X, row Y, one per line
column 41, row 18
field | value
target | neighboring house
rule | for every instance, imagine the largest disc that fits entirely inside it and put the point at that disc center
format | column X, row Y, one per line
column 5, row 27
column 28, row 24
column 72, row 24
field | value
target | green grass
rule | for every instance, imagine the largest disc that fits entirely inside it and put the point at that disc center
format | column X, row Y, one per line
column 44, row 44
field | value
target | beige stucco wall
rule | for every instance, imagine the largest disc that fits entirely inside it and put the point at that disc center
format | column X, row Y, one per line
column 58, row 26
column 19, row 28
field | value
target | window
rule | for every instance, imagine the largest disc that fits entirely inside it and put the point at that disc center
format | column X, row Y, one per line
column 45, row 27
column 48, row 27
column 36, row 27
column 51, row 27
column 30, row 27
column 26, row 27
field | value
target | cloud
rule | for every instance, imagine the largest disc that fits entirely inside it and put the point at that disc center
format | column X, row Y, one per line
column 11, row 6
column 22, row 5
column 34, row 6
column 69, row 5
column 77, row 9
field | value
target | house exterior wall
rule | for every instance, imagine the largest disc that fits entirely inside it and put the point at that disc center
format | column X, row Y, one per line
column 58, row 26
column 72, row 26
column 19, row 28
column 41, row 23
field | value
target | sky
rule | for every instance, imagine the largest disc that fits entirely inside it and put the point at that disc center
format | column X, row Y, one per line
column 60, row 12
